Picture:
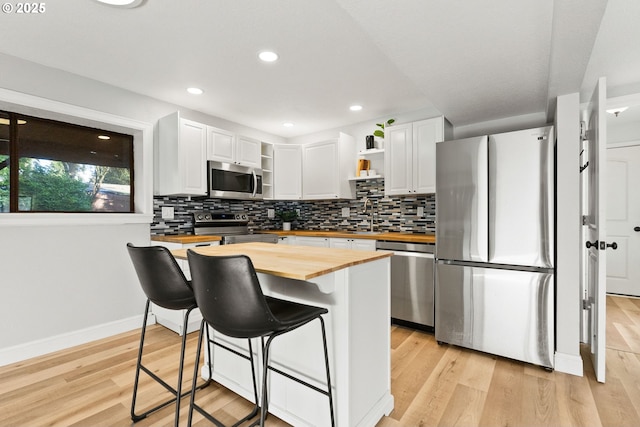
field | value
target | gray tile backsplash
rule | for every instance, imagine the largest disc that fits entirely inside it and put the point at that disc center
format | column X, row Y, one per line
column 398, row 213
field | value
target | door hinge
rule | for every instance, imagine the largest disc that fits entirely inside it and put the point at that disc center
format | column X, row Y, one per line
column 584, row 220
column 585, row 304
column 583, row 131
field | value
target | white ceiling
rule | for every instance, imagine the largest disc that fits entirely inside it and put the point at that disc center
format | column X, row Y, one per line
column 473, row 61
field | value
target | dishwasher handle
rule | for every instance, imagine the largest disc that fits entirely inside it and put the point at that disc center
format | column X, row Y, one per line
column 406, row 247
column 413, row 254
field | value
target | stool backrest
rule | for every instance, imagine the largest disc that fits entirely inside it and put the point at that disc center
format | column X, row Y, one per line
column 229, row 296
column 160, row 276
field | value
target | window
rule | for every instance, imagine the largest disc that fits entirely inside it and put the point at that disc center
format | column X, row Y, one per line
column 51, row 166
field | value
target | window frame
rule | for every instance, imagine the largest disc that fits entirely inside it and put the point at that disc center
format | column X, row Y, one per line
column 142, row 160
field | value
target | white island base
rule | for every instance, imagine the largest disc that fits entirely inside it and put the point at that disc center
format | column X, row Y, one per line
column 358, row 335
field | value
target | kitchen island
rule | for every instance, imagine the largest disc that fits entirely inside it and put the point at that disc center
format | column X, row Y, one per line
column 354, row 287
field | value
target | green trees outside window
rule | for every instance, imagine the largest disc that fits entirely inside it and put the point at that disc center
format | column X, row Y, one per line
column 60, row 167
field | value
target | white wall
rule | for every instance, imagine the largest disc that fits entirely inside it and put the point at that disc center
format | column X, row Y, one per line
column 64, row 283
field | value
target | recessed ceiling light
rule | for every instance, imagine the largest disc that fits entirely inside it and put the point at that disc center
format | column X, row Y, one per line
column 122, row 3
column 268, row 56
column 105, row 137
column 195, row 91
column 355, row 107
column 287, row 124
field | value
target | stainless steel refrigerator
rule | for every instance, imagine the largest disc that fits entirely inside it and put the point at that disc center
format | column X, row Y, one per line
column 495, row 244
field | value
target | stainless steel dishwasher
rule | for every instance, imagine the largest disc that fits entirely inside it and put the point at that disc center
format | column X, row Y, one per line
column 412, row 290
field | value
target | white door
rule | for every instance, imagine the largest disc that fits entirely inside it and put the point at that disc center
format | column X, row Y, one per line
column 595, row 265
column 623, row 220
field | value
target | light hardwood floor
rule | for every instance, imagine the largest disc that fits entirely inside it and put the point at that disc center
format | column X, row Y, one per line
column 90, row 385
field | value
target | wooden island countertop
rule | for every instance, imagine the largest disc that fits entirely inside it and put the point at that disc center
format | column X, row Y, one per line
column 290, row 261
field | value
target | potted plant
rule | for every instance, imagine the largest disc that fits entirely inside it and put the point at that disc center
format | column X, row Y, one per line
column 287, row 217
column 380, row 132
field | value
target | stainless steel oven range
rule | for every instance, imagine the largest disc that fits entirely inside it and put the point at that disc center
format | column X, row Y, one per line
column 232, row 227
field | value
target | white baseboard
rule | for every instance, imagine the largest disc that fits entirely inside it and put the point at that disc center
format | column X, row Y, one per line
column 569, row 364
column 40, row 347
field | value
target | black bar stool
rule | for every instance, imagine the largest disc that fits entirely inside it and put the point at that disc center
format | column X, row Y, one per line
column 231, row 300
column 164, row 284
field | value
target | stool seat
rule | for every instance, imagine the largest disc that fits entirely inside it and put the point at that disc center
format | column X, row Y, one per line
column 291, row 315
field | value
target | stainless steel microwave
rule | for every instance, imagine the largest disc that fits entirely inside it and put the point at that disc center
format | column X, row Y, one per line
column 231, row 181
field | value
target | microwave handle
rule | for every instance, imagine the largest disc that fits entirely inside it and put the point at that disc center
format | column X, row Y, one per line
column 255, row 183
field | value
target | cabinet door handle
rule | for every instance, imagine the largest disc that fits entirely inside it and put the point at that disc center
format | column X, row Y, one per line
column 636, row 229
column 594, row 244
column 613, row 245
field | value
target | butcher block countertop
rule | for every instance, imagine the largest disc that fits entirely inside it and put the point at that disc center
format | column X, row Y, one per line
column 389, row 236
column 291, row 261
column 186, row 238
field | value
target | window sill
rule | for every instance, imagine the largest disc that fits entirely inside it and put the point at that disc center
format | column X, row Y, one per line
column 54, row 219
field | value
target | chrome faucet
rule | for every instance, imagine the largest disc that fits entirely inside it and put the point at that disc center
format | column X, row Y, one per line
column 366, row 201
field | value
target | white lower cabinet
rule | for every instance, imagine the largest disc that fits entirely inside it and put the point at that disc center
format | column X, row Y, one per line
column 287, row 240
column 334, row 242
column 321, row 242
column 356, row 244
column 174, row 319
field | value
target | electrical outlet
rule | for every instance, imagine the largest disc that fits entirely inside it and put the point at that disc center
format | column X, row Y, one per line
column 420, row 211
column 167, row 212
column 346, row 212
column 271, row 213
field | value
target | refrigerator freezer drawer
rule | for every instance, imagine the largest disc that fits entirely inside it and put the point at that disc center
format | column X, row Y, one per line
column 504, row 312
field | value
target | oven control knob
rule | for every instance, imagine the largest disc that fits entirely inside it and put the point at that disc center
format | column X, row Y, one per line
column 199, row 216
column 244, row 216
column 207, row 217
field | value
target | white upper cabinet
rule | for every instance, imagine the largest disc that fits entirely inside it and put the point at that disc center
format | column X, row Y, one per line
column 410, row 155
column 287, row 172
column 248, row 151
column 224, row 146
column 220, row 145
column 326, row 167
column 181, row 157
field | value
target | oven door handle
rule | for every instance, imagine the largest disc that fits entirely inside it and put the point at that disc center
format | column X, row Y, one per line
column 255, row 183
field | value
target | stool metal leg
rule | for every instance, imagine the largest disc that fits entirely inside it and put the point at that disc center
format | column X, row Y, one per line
column 265, row 368
column 326, row 364
column 140, row 367
column 192, row 405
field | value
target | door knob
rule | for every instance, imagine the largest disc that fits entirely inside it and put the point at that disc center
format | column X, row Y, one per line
column 636, row 228
column 594, row 244
column 613, row 245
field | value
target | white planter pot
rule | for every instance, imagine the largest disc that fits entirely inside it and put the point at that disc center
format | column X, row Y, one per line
column 286, row 226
